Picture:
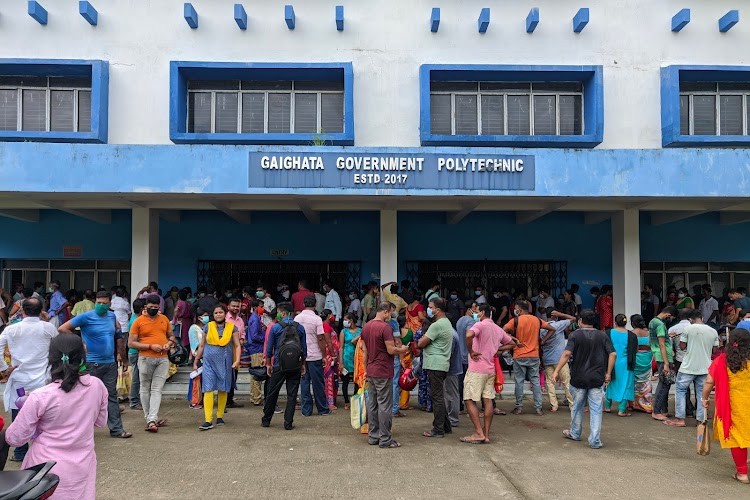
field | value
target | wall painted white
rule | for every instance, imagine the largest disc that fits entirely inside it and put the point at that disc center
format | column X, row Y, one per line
column 386, row 40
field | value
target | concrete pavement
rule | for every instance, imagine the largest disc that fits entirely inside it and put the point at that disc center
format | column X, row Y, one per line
column 325, row 458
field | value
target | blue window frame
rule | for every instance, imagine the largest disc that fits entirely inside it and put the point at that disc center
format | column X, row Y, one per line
column 705, row 106
column 205, row 84
column 578, row 89
column 66, row 100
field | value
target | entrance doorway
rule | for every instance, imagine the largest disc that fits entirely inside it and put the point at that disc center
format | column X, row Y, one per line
column 464, row 276
column 221, row 274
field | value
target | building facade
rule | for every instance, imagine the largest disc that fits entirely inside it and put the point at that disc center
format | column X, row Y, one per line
column 512, row 144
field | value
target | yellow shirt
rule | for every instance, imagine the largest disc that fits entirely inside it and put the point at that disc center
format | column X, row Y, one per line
column 394, row 299
column 81, row 307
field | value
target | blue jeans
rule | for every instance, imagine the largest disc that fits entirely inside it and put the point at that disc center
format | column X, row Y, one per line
column 521, row 367
column 681, row 394
column 396, row 387
column 20, row 452
column 595, row 398
column 313, row 376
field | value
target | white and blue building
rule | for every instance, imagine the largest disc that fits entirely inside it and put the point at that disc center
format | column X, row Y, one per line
column 504, row 143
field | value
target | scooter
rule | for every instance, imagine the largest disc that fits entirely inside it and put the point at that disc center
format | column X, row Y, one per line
column 34, row 483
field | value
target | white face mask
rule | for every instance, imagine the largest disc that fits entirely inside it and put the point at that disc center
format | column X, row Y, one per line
column 285, row 294
column 347, row 323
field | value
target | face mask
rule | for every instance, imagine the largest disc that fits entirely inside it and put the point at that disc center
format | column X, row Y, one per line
column 229, row 295
column 454, row 296
column 682, row 295
column 430, row 313
column 260, row 294
column 204, row 319
column 477, row 292
column 516, row 312
column 475, row 316
column 152, row 312
column 101, row 309
column 285, row 294
column 593, row 295
column 351, row 297
column 497, row 295
column 347, row 323
column 279, row 317
column 51, row 290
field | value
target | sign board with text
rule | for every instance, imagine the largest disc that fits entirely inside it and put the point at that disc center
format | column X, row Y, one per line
column 332, row 170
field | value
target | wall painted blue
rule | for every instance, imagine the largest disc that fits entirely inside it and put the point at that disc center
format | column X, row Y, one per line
column 728, row 20
column 88, row 12
column 191, row 15
column 532, row 20
column 181, row 71
column 593, row 97
column 240, row 16
column 99, row 73
column 671, row 76
column 37, row 12
column 341, row 236
column 435, row 19
column 211, row 170
column 45, row 239
column 680, row 20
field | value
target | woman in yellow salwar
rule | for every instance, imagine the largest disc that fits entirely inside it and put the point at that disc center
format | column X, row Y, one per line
column 730, row 374
column 220, row 350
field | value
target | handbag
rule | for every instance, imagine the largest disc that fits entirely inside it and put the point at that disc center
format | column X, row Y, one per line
column 703, row 438
column 358, row 407
column 259, row 373
column 668, row 379
column 196, row 394
column 124, row 380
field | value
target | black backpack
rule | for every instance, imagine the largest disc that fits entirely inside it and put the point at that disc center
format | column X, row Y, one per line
column 290, row 350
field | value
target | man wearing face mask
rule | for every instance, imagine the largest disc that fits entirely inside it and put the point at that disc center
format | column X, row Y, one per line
column 256, row 336
column 333, row 300
column 152, row 335
column 455, row 308
column 233, row 316
column 101, row 333
column 269, row 304
column 479, row 297
column 57, row 301
column 437, row 344
column 355, row 307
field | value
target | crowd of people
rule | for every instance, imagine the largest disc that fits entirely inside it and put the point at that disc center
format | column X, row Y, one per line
column 456, row 349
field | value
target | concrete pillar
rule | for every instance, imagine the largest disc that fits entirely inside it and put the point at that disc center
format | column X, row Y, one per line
column 145, row 248
column 388, row 246
column 626, row 262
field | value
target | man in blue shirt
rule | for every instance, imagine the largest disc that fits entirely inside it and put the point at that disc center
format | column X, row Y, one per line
column 57, row 301
column 278, row 376
column 101, row 334
column 256, row 336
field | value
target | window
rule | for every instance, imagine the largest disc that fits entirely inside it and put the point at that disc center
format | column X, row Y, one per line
column 532, row 108
column 705, row 105
column 711, row 108
column 477, row 105
column 237, row 107
column 57, row 100
column 45, row 104
column 262, row 103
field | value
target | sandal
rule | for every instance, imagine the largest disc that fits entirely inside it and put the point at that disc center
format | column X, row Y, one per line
column 498, row 411
column 122, row 435
column 737, row 478
column 626, row 414
column 673, row 423
column 162, row 422
column 568, row 435
column 517, row 411
column 468, row 440
column 430, row 434
column 152, row 427
column 394, row 444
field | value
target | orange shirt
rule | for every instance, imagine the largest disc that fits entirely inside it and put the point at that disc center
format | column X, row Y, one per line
column 528, row 334
column 156, row 330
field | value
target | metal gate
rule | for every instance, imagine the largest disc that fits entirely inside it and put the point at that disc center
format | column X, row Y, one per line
column 464, row 276
column 221, row 274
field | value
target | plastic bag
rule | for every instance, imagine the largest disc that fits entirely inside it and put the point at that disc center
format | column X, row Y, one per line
column 703, row 439
column 358, row 409
column 124, row 380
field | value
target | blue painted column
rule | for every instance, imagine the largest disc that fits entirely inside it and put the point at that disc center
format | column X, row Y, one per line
column 626, row 262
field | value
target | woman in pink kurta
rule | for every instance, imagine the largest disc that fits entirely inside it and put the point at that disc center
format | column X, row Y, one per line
column 59, row 418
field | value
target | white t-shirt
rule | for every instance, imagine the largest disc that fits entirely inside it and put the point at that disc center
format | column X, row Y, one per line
column 577, row 299
column 707, row 307
column 121, row 308
column 700, row 339
column 546, row 303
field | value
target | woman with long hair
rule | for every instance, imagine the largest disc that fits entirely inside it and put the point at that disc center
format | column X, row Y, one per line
column 622, row 386
column 59, row 420
column 330, row 370
column 348, row 339
column 643, row 400
column 730, row 374
column 220, row 350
